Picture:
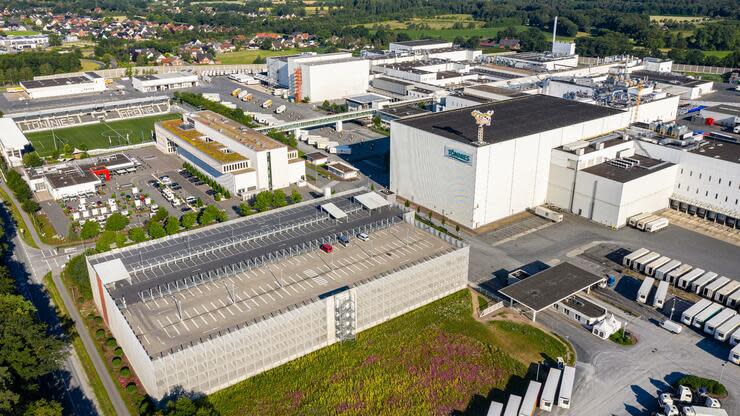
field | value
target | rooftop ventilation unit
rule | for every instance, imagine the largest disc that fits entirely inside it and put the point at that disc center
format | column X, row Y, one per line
column 624, row 163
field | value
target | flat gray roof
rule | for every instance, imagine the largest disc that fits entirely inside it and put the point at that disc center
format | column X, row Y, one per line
column 517, row 117
column 645, row 167
column 730, row 110
column 720, row 149
column 549, row 286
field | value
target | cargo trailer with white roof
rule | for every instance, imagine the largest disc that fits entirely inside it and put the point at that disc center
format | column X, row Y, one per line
column 656, row 264
column 702, row 317
column 713, row 287
column 643, row 261
column 566, row 387
column 733, row 299
column 630, row 258
column 698, row 285
column 703, row 411
column 710, row 327
column 735, row 337
column 632, row 221
column 662, row 272
column 687, row 317
column 725, row 291
column 547, row 399
column 685, row 281
column 734, row 356
column 660, row 294
column 673, row 276
column 645, row 288
column 725, row 330
column 531, row 398
column 495, row 409
column 657, row 225
column 512, row 406
column 645, row 221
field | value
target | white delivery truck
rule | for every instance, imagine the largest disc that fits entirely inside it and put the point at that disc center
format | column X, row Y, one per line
column 630, row 258
column 710, row 327
column 280, row 109
column 702, row 317
column 632, row 221
column 660, row 294
column 687, row 317
column 656, row 225
column 656, row 264
column 512, row 406
column 548, row 214
column 712, row 288
column 566, row 387
column 724, row 331
column 547, row 400
column 495, row 409
column 671, row 326
column 645, row 288
column 643, row 261
column 529, row 403
column 661, row 273
column 698, row 285
column 685, row 281
column 675, row 274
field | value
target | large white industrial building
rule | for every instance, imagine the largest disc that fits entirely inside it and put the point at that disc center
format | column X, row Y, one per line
column 242, row 160
column 20, row 43
column 320, row 77
column 13, row 143
column 164, row 82
column 215, row 319
column 86, row 83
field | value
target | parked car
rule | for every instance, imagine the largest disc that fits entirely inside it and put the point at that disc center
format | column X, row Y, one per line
column 191, row 199
column 327, row 248
column 363, row 236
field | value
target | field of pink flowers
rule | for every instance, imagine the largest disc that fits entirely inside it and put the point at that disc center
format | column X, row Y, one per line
column 431, row 361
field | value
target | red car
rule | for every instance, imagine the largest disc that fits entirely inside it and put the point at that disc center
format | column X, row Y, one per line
column 327, row 248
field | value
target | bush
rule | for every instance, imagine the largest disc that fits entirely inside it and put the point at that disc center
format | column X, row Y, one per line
column 694, row 382
column 118, row 352
column 116, row 361
column 125, row 372
column 76, row 273
column 91, row 229
column 156, row 230
column 131, row 387
column 622, row 337
column 111, row 342
column 137, row 234
column 116, row 222
column 98, row 319
column 100, row 333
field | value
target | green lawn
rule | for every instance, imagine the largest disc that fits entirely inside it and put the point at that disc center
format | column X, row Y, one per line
column 718, row 54
column 432, row 361
column 451, row 34
column 20, row 33
column 97, row 136
column 248, row 56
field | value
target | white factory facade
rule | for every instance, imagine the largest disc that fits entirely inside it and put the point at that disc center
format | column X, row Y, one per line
column 242, row 160
column 321, row 77
column 164, row 82
column 13, row 143
column 86, row 83
column 438, row 163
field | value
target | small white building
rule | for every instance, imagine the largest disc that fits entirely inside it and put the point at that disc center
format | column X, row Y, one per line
column 607, row 327
column 164, row 82
column 658, row 65
column 63, row 180
column 687, row 88
column 342, row 170
column 581, row 310
column 86, row 83
column 13, row 142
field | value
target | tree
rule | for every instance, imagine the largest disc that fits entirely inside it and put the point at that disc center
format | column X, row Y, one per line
column 208, row 215
column 160, row 215
column 155, row 230
column 266, row 44
column 278, row 198
column 172, row 225
column 296, row 196
column 262, row 201
column 89, row 230
column 107, row 238
column 43, row 408
column 32, row 160
column 137, row 234
column 30, row 206
column 116, row 222
column 245, row 209
column 188, row 220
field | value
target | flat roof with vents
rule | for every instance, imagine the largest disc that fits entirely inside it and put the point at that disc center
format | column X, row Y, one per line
column 628, row 169
column 235, row 131
column 719, row 149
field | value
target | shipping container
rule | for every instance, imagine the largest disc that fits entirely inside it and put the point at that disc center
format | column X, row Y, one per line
column 643, row 222
column 722, row 294
column 632, row 221
column 698, row 285
column 645, row 288
column 548, row 214
column 724, row 331
column 531, row 398
column 702, row 317
column 676, row 273
column 710, row 326
column 660, row 294
column 688, row 315
column 566, row 387
column 656, row 264
column 495, row 409
column 512, row 406
column 712, row 288
column 643, row 261
column 630, row 258
column 657, row 225
column 662, row 272
column 684, row 282
column 547, row 399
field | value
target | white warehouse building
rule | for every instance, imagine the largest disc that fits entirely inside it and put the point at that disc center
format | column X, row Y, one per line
column 438, row 163
column 164, row 82
column 241, row 159
column 320, row 77
column 13, row 143
column 87, row 83
column 225, row 316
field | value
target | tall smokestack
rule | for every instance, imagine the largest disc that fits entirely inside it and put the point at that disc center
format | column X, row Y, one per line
column 554, row 29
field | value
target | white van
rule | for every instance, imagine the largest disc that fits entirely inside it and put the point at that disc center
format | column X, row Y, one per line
column 671, row 326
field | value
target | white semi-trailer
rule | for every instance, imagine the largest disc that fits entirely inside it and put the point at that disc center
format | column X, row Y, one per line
column 662, row 272
column 713, row 287
column 630, row 258
column 698, row 285
column 529, row 403
column 687, row 317
column 512, row 406
column 656, row 264
column 685, row 281
column 645, row 288
column 657, row 225
column 643, row 261
column 547, row 399
column 566, row 387
column 495, row 409
column 660, row 294
column 702, row 317
column 724, row 331
column 710, row 327
column 645, row 221
column 673, row 276
column 548, row 214
column 735, row 355
column 722, row 294
column 632, row 221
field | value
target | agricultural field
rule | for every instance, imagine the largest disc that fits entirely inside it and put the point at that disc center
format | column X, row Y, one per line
column 436, row 360
column 248, row 56
column 681, row 19
column 446, row 21
column 89, row 65
column 97, row 136
column 20, row 33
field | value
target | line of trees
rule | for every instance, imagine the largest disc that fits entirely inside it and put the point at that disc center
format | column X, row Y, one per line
column 24, row 66
column 22, row 191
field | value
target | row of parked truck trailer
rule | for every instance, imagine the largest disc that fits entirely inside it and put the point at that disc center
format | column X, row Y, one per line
column 537, row 396
column 648, row 222
column 716, row 315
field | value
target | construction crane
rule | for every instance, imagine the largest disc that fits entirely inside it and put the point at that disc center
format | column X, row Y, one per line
column 638, row 99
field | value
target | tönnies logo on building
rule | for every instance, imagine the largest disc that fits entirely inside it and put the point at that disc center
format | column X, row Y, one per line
column 458, row 155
